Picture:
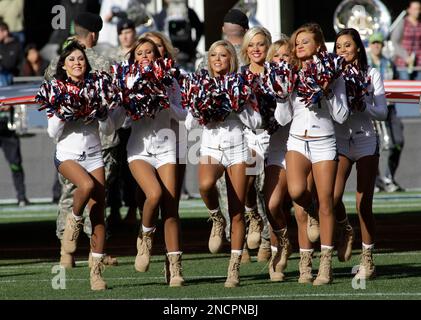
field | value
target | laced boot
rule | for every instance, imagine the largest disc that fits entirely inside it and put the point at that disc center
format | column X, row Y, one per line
column 275, row 271
column 173, row 270
column 325, row 268
column 305, row 266
column 97, row 282
column 233, row 279
column 264, row 252
column 345, row 236
column 107, row 260
column 144, row 248
column 217, row 232
column 245, row 257
column 71, row 233
column 283, row 242
column 367, row 268
column 255, row 229
column 67, row 260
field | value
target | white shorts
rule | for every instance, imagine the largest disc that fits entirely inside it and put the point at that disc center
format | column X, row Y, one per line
column 358, row 146
column 155, row 160
column 226, row 156
column 89, row 161
column 315, row 149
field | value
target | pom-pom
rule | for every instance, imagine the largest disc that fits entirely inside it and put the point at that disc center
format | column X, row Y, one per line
column 316, row 75
column 143, row 88
column 357, row 83
column 212, row 99
column 87, row 99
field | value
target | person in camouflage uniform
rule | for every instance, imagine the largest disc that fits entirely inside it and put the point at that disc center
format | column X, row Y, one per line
column 86, row 33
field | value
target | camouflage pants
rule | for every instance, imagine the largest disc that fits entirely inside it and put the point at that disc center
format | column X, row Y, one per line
column 223, row 203
column 65, row 204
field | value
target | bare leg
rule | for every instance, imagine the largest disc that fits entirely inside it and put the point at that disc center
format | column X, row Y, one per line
column 366, row 178
column 299, row 167
column 344, row 169
column 82, row 180
column 96, row 205
column 146, row 177
column 169, row 206
column 236, row 188
column 275, row 190
column 210, row 170
column 324, row 174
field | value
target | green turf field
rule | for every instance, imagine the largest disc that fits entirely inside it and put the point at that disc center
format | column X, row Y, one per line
column 399, row 271
column 205, row 274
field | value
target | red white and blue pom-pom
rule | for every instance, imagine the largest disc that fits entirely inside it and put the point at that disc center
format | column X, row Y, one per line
column 70, row 100
column 357, row 84
column 143, row 88
column 212, row 99
column 280, row 79
column 316, row 75
column 275, row 84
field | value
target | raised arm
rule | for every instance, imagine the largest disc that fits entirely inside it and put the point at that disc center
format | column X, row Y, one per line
column 250, row 118
column 174, row 95
column 337, row 102
column 283, row 112
column 375, row 102
column 118, row 116
column 55, row 127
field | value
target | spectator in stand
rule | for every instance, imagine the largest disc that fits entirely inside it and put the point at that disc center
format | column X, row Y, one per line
column 33, row 64
column 10, row 53
column 11, row 12
column 406, row 38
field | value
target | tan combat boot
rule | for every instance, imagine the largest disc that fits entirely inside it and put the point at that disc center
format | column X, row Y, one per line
column 345, row 236
column 233, row 279
column 107, row 260
column 173, row 270
column 265, row 251
column 367, row 268
column 144, row 249
column 71, row 233
column 245, row 256
column 325, row 268
column 283, row 241
column 97, row 282
column 305, row 266
column 67, row 260
column 255, row 229
column 275, row 272
column 217, row 232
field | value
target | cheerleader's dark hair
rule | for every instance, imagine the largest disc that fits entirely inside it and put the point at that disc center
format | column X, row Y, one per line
column 362, row 55
column 67, row 51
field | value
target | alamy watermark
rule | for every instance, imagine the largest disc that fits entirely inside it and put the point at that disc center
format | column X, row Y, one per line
column 59, row 20
column 58, row 282
column 357, row 282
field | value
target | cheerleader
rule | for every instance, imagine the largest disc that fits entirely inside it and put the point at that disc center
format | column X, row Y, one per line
column 275, row 188
column 223, row 150
column 151, row 154
column 312, row 148
column 254, row 49
column 358, row 143
column 78, row 156
column 167, row 51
